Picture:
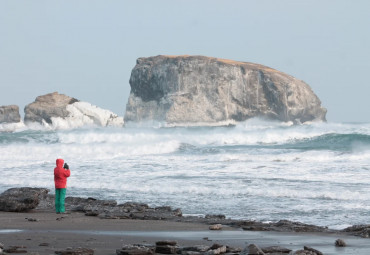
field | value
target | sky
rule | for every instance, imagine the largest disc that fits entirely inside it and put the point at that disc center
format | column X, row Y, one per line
column 86, row 48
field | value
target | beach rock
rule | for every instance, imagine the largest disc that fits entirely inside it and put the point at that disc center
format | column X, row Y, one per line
column 196, row 248
column 166, row 247
column 21, row 199
column 216, row 249
column 32, row 219
column 9, row 114
column 61, row 111
column 253, row 249
column 76, row 251
column 15, row 249
column 215, row 227
column 312, row 250
column 282, row 226
column 358, row 230
column 215, row 216
column 135, row 250
column 275, row 250
column 86, row 205
column 198, row 90
column 340, row 243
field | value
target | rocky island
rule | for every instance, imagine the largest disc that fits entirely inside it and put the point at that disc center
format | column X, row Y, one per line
column 198, row 90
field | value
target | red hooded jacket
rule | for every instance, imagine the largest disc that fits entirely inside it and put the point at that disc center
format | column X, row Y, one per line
column 61, row 175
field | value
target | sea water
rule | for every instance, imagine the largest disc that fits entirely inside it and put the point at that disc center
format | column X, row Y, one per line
column 257, row 170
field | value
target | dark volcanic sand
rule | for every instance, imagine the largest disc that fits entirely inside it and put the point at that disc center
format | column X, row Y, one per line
column 106, row 235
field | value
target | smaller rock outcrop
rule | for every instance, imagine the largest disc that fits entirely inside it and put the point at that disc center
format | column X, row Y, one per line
column 21, row 199
column 9, row 114
column 60, row 111
column 10, row 120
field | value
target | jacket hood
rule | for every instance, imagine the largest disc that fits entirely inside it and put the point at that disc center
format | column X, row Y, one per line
column 60, row 162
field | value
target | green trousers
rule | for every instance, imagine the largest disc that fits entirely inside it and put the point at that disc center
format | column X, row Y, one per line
column 60, row 195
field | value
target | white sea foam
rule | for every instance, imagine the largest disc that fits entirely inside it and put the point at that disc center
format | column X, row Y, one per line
column 255, row 170
column 12, row 127
column 86, row 114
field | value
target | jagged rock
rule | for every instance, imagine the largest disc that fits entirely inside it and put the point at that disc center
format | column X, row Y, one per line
column 196, row 248
column 135, row 250
column 61, row 111
column 76, row 251
column 21, row 199
column 9, row 114
column 282, row 226
column 340, row 243
column 166, row 247
column 15, row 249
column 275, row 250
column 166, row 242
column 359, row 230
column 198, row 90
column 216, row 249
column 314, row 251
column 254, row 250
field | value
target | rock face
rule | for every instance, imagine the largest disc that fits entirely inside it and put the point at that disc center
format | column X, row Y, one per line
column 61, row 111
column 203, row 90
column 21, row 199
column 9, row 114
column 48, row 106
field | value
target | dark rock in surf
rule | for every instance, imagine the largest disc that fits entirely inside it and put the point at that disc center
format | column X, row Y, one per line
column 9, row 114
column 340, row 243
column 359, row 230
column 21, row 199
column 198, row 90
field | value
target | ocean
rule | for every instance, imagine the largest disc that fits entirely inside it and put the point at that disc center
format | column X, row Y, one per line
column 257, row 170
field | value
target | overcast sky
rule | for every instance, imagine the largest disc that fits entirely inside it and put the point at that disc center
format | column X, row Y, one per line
column 86, row 48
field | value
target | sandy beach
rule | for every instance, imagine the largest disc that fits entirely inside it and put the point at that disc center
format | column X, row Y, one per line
column 44, row 232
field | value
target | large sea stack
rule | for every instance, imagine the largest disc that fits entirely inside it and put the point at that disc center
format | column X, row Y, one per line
column 198, row 90
column 61, row 111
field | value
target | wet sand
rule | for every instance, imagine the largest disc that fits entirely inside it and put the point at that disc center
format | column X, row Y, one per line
column 74, row 230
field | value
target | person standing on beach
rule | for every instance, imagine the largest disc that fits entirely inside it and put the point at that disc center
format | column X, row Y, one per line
column 61, row 173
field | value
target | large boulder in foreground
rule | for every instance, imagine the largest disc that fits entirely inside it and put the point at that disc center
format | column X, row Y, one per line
column 198, row 90
column 9, row 114
column 61, row 111
column 21, row 199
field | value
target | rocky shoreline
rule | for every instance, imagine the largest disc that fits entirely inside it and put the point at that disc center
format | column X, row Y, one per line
column 32, row 200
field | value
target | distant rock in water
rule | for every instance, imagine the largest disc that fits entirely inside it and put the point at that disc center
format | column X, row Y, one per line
column 61, row 111
column 9, row 114
column 198, row 90
column 10, row 118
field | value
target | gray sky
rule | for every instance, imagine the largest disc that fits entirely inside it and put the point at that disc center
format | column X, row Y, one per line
column 86, row 48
